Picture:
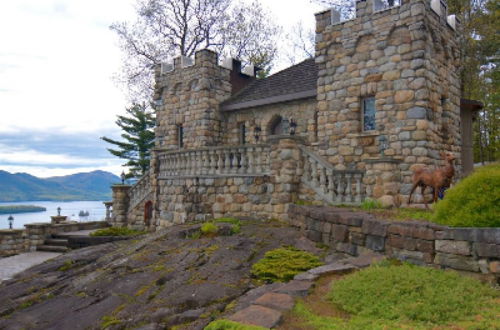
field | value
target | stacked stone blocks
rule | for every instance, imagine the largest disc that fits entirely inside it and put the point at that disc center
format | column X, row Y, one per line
column 475, row 250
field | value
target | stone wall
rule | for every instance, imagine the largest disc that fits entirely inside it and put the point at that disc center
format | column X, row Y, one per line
column 198, row 187
column 12, row 241
column 190, row 96
column 24, row 240
column 407, row 58
column 301, row 111
column 474, row 250
column 198, row 199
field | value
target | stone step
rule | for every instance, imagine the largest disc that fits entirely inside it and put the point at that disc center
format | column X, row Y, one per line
column 56, row 242
column 52, row 248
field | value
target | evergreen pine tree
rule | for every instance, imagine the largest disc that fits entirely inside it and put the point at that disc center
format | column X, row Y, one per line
column 138, row 139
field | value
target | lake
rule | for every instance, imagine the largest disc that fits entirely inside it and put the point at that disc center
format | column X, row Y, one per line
column 96, row 210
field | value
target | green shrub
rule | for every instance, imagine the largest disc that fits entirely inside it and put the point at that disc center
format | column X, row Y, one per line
column 370, row 204
column 117, row 231
column 236, row 224
column 230, row 325
column 473, row 202
column 208, row 228
column 412, row 294
column 281, row 265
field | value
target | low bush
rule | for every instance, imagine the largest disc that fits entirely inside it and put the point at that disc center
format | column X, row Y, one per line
column 370, row 204
column 235, row 224
column 117, row 231
column 230, row 325
column 209, row 228
column 473, row 202
column 281, row 265
column 412, row 294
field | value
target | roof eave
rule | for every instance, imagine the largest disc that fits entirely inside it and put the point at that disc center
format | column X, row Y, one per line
column 270, row 100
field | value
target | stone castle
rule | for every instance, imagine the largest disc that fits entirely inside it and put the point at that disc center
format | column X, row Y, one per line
column 381, row 96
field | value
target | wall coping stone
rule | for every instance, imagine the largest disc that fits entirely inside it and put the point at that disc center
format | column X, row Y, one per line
column 383, row 160
column 6, row 232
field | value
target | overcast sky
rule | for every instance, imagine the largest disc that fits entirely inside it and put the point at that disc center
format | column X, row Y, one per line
column 57, row 96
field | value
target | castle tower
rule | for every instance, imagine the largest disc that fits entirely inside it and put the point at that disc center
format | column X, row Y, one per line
column 388, row 89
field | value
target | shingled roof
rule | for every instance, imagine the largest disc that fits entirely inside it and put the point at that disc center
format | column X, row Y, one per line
column 293, row 83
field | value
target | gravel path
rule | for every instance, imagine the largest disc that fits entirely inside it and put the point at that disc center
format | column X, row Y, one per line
column 12, row 265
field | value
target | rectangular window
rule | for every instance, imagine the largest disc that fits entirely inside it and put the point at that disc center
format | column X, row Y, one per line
column 242, row 133
column 368, row 104
column 180, row 136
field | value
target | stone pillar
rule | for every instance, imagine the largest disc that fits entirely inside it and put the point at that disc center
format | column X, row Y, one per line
column 286, row 160
column 120, row 205
column 55, row 219
column 383, row 181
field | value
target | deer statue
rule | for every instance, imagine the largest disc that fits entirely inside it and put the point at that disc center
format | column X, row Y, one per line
column 437, row 179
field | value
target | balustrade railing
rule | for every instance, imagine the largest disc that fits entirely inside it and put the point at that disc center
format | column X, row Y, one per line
column 139, row 190
column 212, row 161
column 335, row 186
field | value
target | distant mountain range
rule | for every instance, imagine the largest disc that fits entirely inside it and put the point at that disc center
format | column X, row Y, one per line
column 20, row 187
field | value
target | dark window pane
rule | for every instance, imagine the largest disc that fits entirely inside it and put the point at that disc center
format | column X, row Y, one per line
column 369, row 114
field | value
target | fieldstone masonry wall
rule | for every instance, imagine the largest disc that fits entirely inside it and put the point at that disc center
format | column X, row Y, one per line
column 12, row 241
column 15, row 241
column 407, row 58
column 474, row 250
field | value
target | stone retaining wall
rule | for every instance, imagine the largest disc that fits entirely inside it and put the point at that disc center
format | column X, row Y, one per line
column 15, row 241
column 12, row 242
column 474, row 250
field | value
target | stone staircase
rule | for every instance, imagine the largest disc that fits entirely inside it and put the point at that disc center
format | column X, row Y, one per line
column 56, row 243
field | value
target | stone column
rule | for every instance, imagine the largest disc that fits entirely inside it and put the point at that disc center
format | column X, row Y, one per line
column 120, row 205
column 286, row 160
column 383, row 180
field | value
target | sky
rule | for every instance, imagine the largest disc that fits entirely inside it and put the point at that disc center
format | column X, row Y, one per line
column 57, row 95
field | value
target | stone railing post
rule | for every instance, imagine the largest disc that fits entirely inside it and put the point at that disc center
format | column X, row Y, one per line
column 285, row 163
column 108, row 206
column 383, row 180
column 120, row 205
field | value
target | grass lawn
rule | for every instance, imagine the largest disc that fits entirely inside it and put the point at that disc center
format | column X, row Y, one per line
column 397, row 297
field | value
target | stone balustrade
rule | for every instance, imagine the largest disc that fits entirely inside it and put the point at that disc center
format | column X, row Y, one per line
column 139, row 190
column 335, row 186
column 245, row 160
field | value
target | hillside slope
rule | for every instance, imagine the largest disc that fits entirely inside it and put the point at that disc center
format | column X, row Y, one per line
column 81, row 186
column 162, row 280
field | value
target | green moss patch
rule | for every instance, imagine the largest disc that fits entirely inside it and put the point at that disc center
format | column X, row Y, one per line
column 117, row 231
column 473, row 202
column 230, row 325
column 281, row 265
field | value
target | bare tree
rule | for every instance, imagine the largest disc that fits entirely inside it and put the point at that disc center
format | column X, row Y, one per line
column 301, row 43
column 346, row 8
column 167, row 28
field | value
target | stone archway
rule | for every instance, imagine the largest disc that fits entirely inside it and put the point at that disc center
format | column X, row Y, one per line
column 148, row 213
column 276, row 126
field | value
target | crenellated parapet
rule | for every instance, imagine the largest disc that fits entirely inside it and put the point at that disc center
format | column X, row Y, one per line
column 188, row 93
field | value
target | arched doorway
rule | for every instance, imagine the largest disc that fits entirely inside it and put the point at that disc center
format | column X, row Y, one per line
column 148, row 213
column 277, row 126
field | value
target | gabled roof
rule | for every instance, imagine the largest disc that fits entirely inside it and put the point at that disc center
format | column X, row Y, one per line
column 293, row 83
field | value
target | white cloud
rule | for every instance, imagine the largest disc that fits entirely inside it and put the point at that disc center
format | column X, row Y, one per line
column 57, row 58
